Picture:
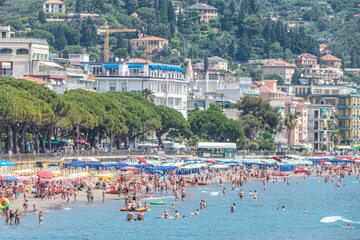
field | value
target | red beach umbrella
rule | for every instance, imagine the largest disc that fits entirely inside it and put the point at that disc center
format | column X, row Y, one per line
column 277, row 159
column 2, row 178
column 128, row 169
column 211, row 161
column 322, row 161
column 319, row 155
column 142, row 160
column 344, row 157
column 45, row 174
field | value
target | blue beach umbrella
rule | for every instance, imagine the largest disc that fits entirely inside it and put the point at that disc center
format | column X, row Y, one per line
column 10, row 179
column 53, row 165
column 4, row 163
column 77, row 164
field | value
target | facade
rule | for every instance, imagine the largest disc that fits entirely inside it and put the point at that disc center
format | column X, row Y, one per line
column 167, row 82
column 322, row 48
column 149, row 43
column 217, row 149
column 5, row 32
column 284, row 69
column 327, row 75
column 207, row 12
column 306, row 60
column 321, row 125
column 17, row 55
column 215, row 64
column 345, row 99
column 331, row 61
column 287, row 103
column 52, row 6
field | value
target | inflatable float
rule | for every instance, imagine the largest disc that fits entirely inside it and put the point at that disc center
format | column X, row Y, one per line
column 158, row 203
column 136, row 210
column 4, row 203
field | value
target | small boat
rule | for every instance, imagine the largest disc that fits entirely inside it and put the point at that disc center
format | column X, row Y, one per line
column 136, row 210
column 158, row 203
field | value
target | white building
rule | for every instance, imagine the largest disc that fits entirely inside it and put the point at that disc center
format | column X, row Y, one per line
column 52, row 6
column 167, row 82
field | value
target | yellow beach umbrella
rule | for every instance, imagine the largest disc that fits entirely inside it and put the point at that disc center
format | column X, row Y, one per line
column 82, row 174
column 107, row 175
column 1, row 170
column 57, row 173
column 24, row 172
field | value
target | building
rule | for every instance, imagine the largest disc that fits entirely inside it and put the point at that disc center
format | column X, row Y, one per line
column 323, row 75
column 207, row 12
column 284, row 69
column 5, row 32
column 287, row 103
column 345, row 99
column 217, row 149
column 149, row 43
column 331, row 61
column 167, row 82
column 321, row 125
column 70, row 16
column 18, row 55
column 52, row 6
column 306, row 60
column 215, row 64
column 322, row 48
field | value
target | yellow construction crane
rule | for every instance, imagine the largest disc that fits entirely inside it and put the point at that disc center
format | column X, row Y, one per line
column 148, row 51
column 105, row 29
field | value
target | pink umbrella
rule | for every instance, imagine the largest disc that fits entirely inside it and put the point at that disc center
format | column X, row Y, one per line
column 45, row 174
column 128, row 169
column 322, row 161
column 344, row 157
column 211, row 161
column 142, row 160
column 319, row 155
column 277, row 159
column 2, row 178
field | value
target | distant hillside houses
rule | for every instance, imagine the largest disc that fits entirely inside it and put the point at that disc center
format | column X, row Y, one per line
column 206, row 11
column 52, row 6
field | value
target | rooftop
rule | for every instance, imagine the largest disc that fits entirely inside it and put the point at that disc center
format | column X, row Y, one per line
column 330, row 57
column 279, row 63
column 24, row 40
column 35, row 80
column 139, row 60
column 200, row 5
column 54, row 2
column 149, row 39
column 306, row 55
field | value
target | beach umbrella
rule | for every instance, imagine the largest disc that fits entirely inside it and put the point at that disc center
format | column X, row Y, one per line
column 53, row 165
column 106, row 175
column 77, row 164
column 142, row 160
column 277, row 159
column 93, row 164
column 4, row 163
column 1, row 170
column 212, row 161
column 57, row 173
column 319, row 155
column 24, row 171
column 45, row 174
column 2, row 179
column 323, row 161
column 327, row 163
column 344, row 157
column 128, row 169
column 265, row 161
column 10, row 179
column 82, row 174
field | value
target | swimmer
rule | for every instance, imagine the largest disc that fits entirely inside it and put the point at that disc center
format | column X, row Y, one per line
column 177, row 215
column 130, row 216
column 233, row 208
column 172, row 207
column 304, row 213
column 166, row 214
column 224, row 192
column 183, row 216
column 250, row 193
column 197, row 212
column 41, row 214
column 25, row 206
column 241, row 194
column 140, row 216
column 283, row 208
column 255, row 195
column 34, row 208
column 17, row 216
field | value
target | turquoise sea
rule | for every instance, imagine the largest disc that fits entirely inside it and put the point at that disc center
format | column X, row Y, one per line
column 327, row 207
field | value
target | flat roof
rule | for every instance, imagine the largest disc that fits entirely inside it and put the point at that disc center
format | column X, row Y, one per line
column 24, row 40
column 216, row 145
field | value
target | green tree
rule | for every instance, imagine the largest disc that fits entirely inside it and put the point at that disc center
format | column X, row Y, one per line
column 72, row 49
column 274, row 76
column 41, row 16
column 251, row 125
column 79, row 6
column 336, row 137
column 290, row 122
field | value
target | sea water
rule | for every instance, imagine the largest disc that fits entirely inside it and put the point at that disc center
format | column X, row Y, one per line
column 328, row 209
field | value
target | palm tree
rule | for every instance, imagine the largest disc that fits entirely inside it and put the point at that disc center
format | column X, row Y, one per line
column 336, row 137
column 290, row 123
column 148, row 94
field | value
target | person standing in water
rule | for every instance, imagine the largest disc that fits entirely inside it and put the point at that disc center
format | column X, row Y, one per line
column 224, row 192
column 233, row 208
column 41, row 214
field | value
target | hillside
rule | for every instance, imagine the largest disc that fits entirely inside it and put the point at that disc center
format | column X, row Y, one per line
column 242, row 31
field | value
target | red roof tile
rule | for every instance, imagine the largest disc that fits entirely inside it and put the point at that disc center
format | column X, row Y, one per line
column 149, row 39
column 279, row 63
column 330, row 57
column 35, row 80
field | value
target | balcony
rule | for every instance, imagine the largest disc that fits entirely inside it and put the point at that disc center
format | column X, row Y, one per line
column 344, row 106
column 344, row 117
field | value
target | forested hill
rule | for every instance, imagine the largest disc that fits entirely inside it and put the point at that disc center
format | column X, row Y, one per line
column 244, row 30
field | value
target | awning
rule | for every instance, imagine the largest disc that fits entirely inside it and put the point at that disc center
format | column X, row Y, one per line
column 322, row 133
column 324, row 110
column 50, row 64
column 76, row 76
column 111, row 65
column 225, row 103
column 135, row 66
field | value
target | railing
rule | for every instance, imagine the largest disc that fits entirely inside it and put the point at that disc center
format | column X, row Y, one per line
column 7, row 73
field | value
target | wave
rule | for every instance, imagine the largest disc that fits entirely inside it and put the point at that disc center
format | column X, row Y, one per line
column 333, row 219
column 68, row 209
column 214, row 193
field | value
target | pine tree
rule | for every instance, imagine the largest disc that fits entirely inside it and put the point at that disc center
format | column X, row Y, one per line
column 240, row 22
column 232, row 49
column 79, row 6
column 163, row 13
column 232, row 7
column 180, row 21
column 42, row 16
column 244, row 48
column 129, row 47
column 120, row 43
column 60, row 39
column 171, row 12
column 253, row 8
column 354, row 59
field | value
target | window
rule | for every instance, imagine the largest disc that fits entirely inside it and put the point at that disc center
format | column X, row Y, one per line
column 3, row 35
column 112, row 87
column 22, row 51
column 60, row 6
column 5, row 51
